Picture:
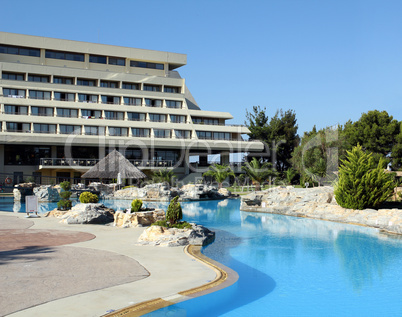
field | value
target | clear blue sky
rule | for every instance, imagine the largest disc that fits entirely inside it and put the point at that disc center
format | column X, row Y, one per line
column 329, row 61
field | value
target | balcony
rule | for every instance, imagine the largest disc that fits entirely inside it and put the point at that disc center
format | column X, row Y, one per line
column 82, row 163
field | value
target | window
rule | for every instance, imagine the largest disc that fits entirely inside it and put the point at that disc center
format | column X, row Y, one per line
column 206, row 121
column 91, row 130
column 109, row 84
column 25, row 154
column 173, row 104
column 13, row 76
column 135, row 116
column 182, row 134
column 146, row 65
column 177, row 119
column 70, row 129
column 117, row 61
column 166, row 155
column 19, row 110
column 42, row 111
column 18, row 50
column 157, row 117
column 152, row 87
column 18, row 127
column 132, row 101
column 38, row 94
column 111, row 100
column 88, row 98
column 133, row 154
column 159, row 133
column 114, row 115
column 136, row 132
column 132, row 86
column 172, row 89
column 77, row 57
column 86, row 82
column 44, row 128
column 63, row 80
column 39, row 78
column 88, row 114
column 114, row 131
column 97, row 59
column 153, row 102
column 68, row 113
column 64, row 96
column 213, row 135
column 14, row 93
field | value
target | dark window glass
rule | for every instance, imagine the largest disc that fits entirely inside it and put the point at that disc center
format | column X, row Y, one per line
column 97, row 59
column 146, row 65
column 69, row 129
column 114, row 100
column 117, row 61
column 64, row 55
column 153, row 102
column 13, row 76
column 25, row 154
column 132, row 101
column 42, row 111
column 19, row 110
column 130, row 86
column 87, row 98
column 135, row 116
column 173, row 104
column 37, row 94
column 86, row 82
column 63, row 80
column 114, row 115
column 152, row 87
column 158, row 133
column 86, row 113
column 69, row 113
column 116, row 131
column 38, row 78
column 171, row 89
column 136, row 132
column 17, row 50
column 109, row 84
column 44, row 128
column 14, row 93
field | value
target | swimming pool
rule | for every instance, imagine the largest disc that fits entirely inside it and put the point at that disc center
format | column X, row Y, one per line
column 291, row 266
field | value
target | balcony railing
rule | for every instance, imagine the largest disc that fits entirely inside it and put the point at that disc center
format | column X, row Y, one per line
column 92, row 162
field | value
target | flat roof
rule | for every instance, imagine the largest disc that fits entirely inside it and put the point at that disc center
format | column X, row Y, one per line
column 175, row 59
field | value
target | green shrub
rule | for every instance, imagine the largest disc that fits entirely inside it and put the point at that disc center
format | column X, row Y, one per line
column 64, row 204
column 174, row 212
column 88, row 197
column 162, row 223
column 136, row 205
column 400, row 195
column 361, row 184
column 65, row 185
column 65, row 195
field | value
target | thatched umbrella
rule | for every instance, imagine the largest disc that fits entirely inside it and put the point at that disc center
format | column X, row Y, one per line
column 113, row 164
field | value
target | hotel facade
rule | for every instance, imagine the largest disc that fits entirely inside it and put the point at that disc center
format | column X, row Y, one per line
column 66, row 104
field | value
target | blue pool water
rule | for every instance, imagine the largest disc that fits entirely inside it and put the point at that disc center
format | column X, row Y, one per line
column 290, row 266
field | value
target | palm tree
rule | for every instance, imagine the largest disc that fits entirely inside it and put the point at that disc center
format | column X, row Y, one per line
column 290, row 173
column 258, row 172
column 219, row 173
column 163, row 176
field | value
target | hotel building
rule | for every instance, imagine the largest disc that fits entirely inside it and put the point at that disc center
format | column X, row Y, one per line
column 66, row 104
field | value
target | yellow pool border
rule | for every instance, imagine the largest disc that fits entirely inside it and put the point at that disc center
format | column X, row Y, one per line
column 224, row 278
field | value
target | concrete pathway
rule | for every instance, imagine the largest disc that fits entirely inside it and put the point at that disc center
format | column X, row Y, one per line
column 87, row 278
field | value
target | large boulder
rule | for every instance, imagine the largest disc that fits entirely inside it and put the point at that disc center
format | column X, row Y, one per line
column 88, row 214
column 47, row 193
column 172, row 237
column 22, row 190
column 137, row 219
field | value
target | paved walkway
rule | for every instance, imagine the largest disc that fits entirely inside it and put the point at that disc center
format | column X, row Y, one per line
column 100, row 270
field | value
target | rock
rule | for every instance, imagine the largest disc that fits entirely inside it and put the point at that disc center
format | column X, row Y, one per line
column 224, row 192
column 88, row 213
column 17, row 194
column 56, row 213
column 22, row 190
column 172, row 237
column 47, row 193
column 319, row 203
column 137, row 219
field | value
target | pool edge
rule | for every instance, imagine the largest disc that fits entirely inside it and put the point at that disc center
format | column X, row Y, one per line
column 224, row 278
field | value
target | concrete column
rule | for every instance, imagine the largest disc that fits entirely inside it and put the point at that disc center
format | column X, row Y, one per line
column 53, row 151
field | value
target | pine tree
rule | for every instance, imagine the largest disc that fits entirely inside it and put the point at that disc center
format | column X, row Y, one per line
column 361, row 184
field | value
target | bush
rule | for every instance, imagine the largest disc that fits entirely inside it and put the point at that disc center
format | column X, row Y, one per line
column 65, row 195
column 88, row 197
column 174, row 212
column 361, row 184
column 64, row 204
column 162, row 223
column 65, row 185
column 136, row 205
column 179, row 225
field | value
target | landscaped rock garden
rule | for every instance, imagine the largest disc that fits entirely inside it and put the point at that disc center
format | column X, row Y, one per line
column 84, row 214
column 173, row 237
column 319, row 203
column 162, row 192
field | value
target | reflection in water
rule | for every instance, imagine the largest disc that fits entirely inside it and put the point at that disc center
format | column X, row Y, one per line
column 363, row 252
column 363, row 257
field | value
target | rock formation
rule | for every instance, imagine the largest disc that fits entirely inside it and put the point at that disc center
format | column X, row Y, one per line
column 319, row 203
column 172, row 237
column 137, row 219
column 88, row 214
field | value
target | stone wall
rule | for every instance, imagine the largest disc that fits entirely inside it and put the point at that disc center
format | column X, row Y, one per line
column 319, row 203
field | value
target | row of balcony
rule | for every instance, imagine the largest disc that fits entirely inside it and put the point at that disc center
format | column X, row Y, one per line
column 49, row 162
